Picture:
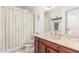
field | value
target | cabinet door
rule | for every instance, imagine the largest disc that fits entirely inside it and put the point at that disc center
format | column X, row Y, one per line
column 36, row 40
column 67, row 50
column 50, row 44
column 42, row 48
column 50, row 50
column 36, row 46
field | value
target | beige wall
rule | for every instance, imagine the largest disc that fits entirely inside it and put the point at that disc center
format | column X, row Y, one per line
column 39, row 20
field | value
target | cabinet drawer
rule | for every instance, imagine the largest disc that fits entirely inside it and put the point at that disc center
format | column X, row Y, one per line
column 53, row 46
column 43, row 41
column 36, row 38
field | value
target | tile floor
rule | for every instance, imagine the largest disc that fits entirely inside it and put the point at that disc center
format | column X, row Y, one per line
column 24, row 50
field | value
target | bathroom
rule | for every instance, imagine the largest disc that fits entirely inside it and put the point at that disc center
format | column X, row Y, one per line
column 22, row 28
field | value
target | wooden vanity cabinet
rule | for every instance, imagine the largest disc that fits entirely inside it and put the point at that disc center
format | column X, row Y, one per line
column 45, row 46
column 50, row 47
column 39, row 46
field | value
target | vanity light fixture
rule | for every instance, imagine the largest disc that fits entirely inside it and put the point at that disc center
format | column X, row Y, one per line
column 56, row 18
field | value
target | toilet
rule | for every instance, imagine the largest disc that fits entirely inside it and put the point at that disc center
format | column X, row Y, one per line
column 29, row 47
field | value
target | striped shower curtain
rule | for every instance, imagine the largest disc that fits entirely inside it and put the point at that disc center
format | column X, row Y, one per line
column 16, row 28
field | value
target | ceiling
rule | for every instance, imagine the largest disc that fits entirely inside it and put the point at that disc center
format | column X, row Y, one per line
column 32, row 8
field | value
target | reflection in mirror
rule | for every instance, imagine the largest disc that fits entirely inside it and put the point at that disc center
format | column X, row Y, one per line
column 72, row 17
column 53, row 20
column 56, row 26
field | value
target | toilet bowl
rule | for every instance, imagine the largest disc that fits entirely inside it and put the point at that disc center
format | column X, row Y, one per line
column 29, row 47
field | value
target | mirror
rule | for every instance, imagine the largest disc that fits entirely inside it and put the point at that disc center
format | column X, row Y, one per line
column 53, row 20
column 72, row 22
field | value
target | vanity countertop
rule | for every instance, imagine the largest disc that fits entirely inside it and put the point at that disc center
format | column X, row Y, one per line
column 70, row 43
